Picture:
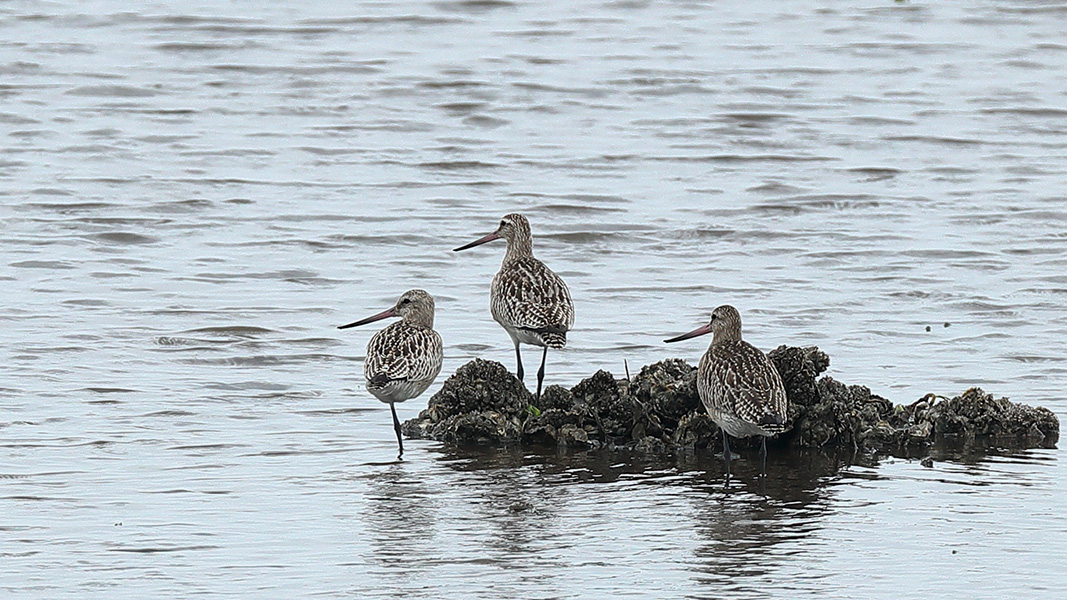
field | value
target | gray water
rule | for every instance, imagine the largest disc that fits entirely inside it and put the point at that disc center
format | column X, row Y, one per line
column 194, row 194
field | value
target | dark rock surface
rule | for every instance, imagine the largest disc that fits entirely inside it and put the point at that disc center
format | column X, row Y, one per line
column 481, row 403
column 659, row 410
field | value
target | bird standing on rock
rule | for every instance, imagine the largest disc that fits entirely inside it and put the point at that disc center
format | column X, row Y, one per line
column 529, row 301
column 739, row 386
column 404, row 358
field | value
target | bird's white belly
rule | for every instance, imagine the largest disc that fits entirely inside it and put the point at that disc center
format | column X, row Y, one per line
column 399, row 390
column 733, row 425
column 523, row 336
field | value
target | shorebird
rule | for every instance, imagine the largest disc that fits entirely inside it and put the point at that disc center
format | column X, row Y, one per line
column 404, row 358
column 739, row 386
column 529, row 301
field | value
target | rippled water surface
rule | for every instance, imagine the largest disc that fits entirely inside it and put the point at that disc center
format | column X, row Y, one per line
column 194, row 194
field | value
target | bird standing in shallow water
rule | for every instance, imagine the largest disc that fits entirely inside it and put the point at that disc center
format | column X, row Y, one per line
column 404, row 358
column 739, row 386
column 529, row 301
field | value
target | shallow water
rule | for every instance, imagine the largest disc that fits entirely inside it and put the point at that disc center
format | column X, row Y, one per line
column 194, row 194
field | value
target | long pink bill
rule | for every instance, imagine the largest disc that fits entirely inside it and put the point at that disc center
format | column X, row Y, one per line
column 378, row 317
column 691, row 334
column 479, row 242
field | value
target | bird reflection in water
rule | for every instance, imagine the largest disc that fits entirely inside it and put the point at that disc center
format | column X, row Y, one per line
column 401, row 515
column 507, row 489
column 746, row 532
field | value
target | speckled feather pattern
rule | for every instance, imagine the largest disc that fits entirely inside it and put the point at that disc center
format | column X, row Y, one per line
column 526, row 298
column 527, row 295
column 402, row 361
column 740, row 387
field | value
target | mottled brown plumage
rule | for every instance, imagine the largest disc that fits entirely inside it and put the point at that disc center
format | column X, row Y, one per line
column 531, row 303
column 404, row 358
column 739, row 386
column 402, row 361
column 741, row 389
column 526, row 298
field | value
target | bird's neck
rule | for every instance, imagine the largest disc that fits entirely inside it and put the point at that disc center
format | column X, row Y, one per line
column 518, row 249
column 726, row 335
column 420, row 319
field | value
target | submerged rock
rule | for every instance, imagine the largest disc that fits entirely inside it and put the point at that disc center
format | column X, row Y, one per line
column 660, row 410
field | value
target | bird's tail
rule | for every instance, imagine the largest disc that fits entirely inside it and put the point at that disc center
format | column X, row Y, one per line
column 554, row 340
column 553, row 336
column 772, row 423
column 378, row 381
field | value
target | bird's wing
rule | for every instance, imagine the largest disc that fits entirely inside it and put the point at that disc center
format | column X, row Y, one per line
column 748, row 382
column 403, row 351
column 529, row 295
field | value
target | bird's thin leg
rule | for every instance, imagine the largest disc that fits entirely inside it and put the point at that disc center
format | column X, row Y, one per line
column 518, row 358
column 541, row 372
column 763, row 456
column 726, row 453
column 396, row 427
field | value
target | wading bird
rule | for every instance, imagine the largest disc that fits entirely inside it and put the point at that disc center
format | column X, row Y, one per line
column 529, row 301
column 404, row 358
column 738, row 384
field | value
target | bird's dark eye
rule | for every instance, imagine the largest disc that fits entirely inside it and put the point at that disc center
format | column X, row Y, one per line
column 503, row 223
column 405, row 301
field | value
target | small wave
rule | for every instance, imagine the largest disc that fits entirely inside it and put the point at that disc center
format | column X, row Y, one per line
column 263, row 360
column 241, row 331
column 742, row 158
column 459, row 165
column 112, row 91
column 125, row 238
column 160, row 549
column 332, row 412
column 42, row 264
column 170, row 413
column 183, row 47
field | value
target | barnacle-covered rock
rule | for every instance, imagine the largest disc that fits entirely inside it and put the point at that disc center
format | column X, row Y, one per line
column 659, row 410
column 669, row 389
column 481, row 403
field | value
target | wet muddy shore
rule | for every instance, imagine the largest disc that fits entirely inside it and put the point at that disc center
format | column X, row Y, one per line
column 659, row 410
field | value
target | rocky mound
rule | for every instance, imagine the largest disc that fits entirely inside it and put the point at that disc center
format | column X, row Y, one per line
column 659, row 409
